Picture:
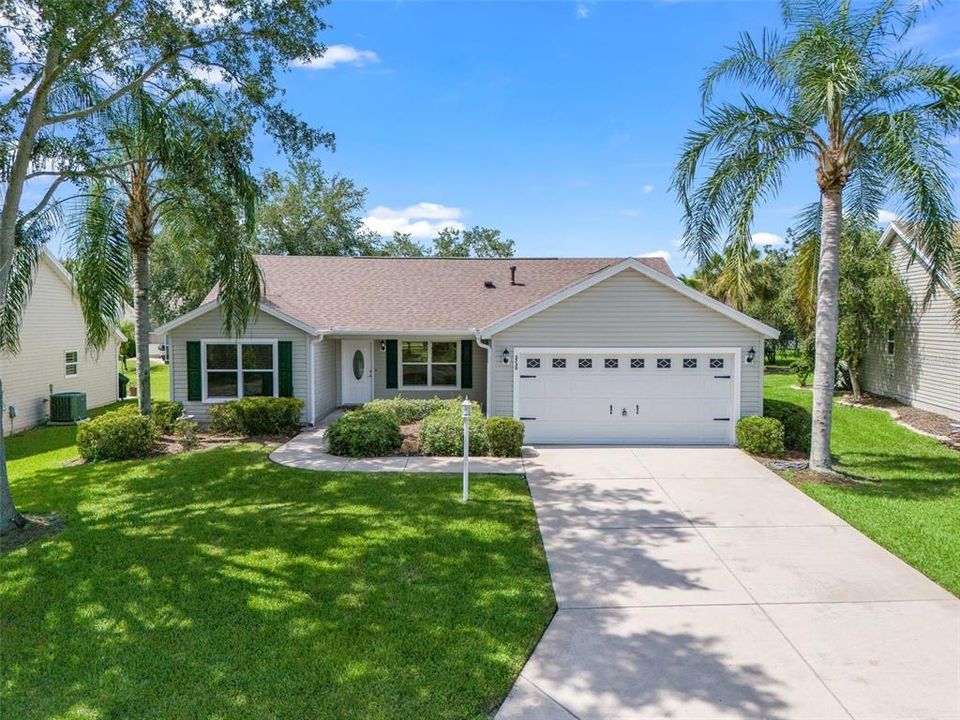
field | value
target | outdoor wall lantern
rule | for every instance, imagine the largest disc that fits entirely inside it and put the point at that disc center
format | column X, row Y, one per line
column 751, row 354
column 505, row 356
column 383, row 346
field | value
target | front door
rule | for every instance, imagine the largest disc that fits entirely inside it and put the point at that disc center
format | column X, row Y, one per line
column 357, row 371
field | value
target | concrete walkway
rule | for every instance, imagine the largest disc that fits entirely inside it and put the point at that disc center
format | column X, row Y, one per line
column 308, row 450
column 695, row 583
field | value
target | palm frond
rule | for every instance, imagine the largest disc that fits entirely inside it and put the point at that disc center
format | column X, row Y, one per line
column 102, row 268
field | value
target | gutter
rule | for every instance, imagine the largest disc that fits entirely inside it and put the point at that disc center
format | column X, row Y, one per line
column 489, row 349
column 311, row 379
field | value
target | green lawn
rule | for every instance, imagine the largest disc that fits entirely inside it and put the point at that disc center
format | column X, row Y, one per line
column 907, row 493
column 218, row 584
column 159, row 377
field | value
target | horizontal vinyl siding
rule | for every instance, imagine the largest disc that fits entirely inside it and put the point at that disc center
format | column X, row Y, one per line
column 925, row 368
column 629, row 310
column 477, row 392
column 326, row 362
column 52, row 325
column 209, row 327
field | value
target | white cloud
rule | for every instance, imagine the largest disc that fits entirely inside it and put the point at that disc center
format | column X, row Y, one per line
column 656, row 254
column 583, row 11
column 340, row 55
column 423, row 220
column 630, row 212
column 646, row 189
column 886, row 216
column 765, row 238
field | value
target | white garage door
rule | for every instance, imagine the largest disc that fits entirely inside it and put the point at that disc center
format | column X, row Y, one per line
column 629, row 396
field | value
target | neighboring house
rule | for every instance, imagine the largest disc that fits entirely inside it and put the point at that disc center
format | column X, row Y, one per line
column 579, row 349
column 53, row 353
column 918, row 362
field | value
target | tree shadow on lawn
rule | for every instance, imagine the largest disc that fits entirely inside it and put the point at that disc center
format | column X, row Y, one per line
column 219, row 584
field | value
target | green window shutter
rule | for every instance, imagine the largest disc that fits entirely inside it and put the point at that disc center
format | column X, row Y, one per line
column 466, row 364
column 194, row 371
column 392, row 383
column 285, row 359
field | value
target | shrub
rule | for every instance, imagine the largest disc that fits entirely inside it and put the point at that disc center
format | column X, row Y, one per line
column 365, row 433
column 504, row 436
column 760, row 435
column 165, row 415
column 257, row 416
column 796, row 420
column 442, row 433
column 801, row 367
column 116, row 435
column 411, row 410
column 187, row 433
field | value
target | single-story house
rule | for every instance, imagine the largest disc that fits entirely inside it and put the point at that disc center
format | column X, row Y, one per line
column 581, row 350
column 53, row 353
column 918, row 361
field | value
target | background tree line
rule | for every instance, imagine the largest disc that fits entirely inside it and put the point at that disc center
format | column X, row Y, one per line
column 782, row 292
column 303, row 211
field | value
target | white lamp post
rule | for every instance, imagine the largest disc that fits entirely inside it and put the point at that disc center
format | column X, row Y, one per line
column 465, row 412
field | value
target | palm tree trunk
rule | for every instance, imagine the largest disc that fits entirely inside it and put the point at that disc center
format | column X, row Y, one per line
column 141, row 320
column 828, row 282
column 139, row 227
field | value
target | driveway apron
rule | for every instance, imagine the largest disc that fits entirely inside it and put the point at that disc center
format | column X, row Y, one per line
column 695, row 583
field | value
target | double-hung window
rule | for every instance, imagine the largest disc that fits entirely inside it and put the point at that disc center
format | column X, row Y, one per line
column 429, row 363
column 71, row 360
column 239, row 369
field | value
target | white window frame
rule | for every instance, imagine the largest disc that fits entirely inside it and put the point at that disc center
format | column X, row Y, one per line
column 429, row 364
column 239, row 369
column 890, row 346
column 67, row 364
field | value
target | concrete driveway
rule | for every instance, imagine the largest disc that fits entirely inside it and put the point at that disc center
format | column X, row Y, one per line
column 695, row 583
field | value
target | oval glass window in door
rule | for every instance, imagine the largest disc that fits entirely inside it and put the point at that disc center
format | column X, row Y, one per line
column 358, row 364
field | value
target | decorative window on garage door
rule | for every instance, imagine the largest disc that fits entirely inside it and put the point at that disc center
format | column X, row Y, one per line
column 689, row 363
column 533, row 363
column 611, row 363
column 716, row 363
column 636, row 363
column 559, row 363
column 663, row 363
column 585, row 363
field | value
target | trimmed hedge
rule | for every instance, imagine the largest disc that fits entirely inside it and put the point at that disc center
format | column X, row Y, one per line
column 411, row 410
column 504, row 437
column 797, row 423
column 760, row 435
column 364, row 433
column 165, row 415
column 257, row 416
column 116, row 435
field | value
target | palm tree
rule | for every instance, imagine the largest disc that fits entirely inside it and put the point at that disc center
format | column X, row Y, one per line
column 178, row 166
column 838, row 91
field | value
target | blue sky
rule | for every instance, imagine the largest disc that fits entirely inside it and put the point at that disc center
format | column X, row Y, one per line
column 557, row 122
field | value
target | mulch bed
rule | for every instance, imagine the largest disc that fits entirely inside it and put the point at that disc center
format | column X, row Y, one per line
column 36, row 527
column 411, row 439
column 924, row 421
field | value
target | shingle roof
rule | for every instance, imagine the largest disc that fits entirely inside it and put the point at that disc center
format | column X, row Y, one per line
column 417, row 294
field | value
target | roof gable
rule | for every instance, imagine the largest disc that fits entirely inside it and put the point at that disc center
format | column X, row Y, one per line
column 630, row 264
column 897, row 231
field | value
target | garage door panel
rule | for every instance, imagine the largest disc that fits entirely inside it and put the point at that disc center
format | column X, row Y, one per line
column 629, row 404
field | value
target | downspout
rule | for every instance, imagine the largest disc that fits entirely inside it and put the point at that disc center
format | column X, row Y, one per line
column 489, row 349
column 312, row 380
